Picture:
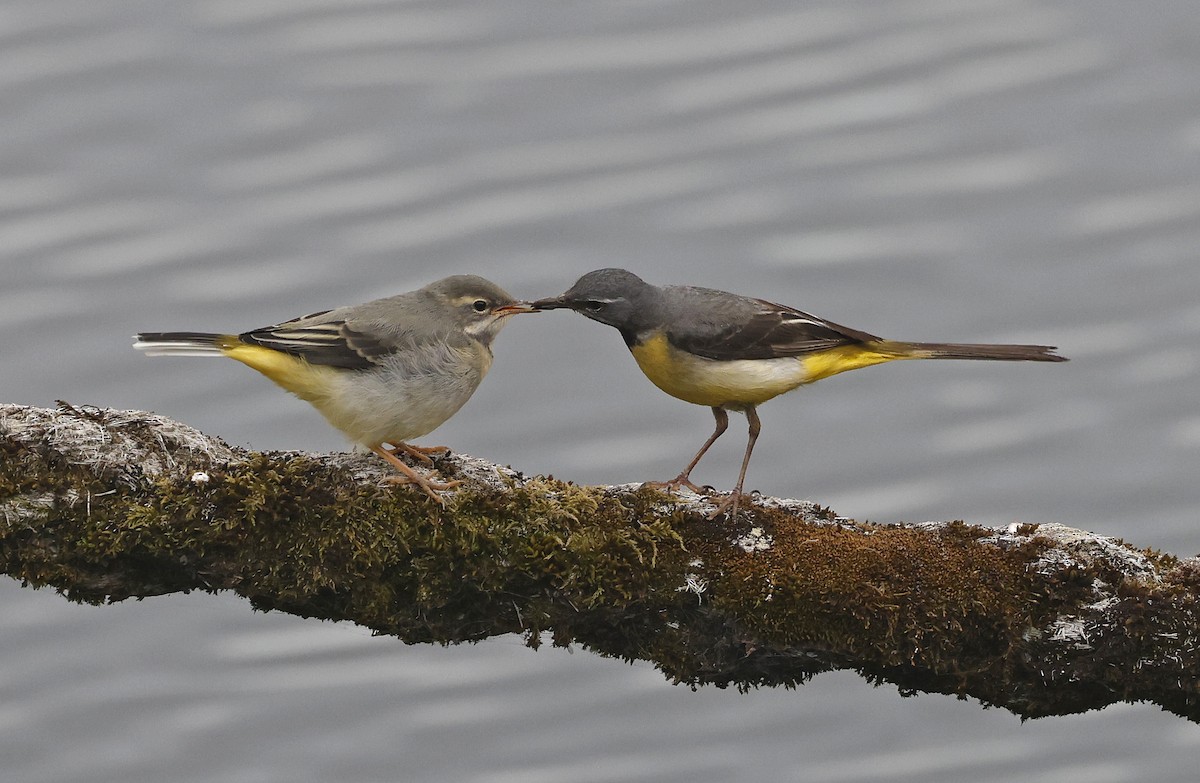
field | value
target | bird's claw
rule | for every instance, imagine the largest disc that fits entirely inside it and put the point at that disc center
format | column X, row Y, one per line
column 423, row 454
column 674, row 484
column 430, row 487
column 733, row 500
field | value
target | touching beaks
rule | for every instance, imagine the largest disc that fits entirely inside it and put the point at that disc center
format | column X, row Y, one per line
column 516, row 307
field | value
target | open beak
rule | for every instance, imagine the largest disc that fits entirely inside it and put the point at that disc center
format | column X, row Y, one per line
column 552, row 303
column 516, row 307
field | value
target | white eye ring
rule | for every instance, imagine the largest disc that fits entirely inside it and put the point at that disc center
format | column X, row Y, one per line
column 479, row 305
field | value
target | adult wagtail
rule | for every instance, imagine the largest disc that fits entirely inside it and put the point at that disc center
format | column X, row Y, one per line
column 381, row 372
column 732, row 352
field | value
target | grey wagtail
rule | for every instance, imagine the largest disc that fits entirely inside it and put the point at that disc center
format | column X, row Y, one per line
column 381, row 372
column 732, row 352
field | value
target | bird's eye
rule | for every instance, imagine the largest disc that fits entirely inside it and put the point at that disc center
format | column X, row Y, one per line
column 593, row 306
column 479, row 305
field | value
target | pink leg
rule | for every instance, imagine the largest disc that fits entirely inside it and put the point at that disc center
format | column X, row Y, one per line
column 735, row 496
column 682, row 479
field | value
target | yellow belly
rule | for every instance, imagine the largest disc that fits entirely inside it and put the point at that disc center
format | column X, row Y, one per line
column 743, row 382
column 716, row 383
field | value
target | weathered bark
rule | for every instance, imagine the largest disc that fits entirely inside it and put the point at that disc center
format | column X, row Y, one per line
column 1039, row 619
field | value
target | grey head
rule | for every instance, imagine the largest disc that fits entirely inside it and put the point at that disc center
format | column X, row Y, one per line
column 473, row 304
column 615, row 297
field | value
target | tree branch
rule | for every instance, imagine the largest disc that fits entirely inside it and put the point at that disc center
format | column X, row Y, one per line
column 1039, row 619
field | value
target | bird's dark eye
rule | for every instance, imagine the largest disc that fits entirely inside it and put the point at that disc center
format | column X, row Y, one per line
column 593, row 306
column 479, row 305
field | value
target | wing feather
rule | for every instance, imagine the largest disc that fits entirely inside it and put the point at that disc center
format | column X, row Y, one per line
column 758, row 329
column 333, row 343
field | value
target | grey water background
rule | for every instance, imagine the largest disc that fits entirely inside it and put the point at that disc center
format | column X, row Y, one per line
column 973, row 170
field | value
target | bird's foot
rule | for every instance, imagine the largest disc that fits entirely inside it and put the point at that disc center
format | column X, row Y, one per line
column 679, row 481
column 431, row 487
column 732, row 502
column 406, row 475
column 424, row 454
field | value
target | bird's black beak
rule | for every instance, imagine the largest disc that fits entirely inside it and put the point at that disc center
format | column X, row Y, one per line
column 552, row 303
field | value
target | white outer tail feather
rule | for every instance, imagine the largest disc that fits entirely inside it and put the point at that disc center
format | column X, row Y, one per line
column 172, row 348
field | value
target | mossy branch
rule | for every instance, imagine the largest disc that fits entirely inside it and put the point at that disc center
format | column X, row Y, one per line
column 1039, row 619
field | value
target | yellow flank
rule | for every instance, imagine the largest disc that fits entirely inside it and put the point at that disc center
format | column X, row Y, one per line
column 746, row 381
column 309, row 382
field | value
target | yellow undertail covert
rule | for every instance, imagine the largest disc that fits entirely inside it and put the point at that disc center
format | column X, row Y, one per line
column 310, row 382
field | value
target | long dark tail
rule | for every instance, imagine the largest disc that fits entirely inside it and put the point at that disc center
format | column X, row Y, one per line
column 1003, row 353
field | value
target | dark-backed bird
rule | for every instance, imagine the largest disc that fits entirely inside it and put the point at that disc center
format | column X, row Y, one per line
column 731, row 352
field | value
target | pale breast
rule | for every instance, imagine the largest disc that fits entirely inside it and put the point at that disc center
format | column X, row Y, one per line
column 408, row 395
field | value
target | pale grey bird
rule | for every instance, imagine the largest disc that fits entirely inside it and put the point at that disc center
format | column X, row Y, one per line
column 382, row 372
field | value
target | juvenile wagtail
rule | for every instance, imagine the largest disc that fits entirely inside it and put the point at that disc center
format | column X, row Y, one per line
column 732, row 352
column 381, row 372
